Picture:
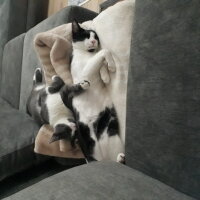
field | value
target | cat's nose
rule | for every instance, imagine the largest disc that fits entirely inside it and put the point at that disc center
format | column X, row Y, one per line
column 93, row 41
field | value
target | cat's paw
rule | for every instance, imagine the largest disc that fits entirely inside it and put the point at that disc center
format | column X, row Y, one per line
column 104, row 74
column 85, row 84
column 121, row 158
column 63, row 132
column 109, row 60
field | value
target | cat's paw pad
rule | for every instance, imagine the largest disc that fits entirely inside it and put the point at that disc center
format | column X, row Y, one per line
column 85, row 84
column 121, row 158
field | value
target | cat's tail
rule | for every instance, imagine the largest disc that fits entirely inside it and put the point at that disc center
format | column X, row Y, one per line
column 37, row 78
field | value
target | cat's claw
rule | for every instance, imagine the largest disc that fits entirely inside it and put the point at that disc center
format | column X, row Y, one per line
column 85, row 84
column 121, row 158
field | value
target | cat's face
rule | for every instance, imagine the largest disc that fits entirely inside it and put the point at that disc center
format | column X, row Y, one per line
column 84, row 39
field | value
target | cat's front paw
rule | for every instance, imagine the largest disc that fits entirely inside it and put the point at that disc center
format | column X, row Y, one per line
column 85, row 84
column 109, row 60
column 121, row 158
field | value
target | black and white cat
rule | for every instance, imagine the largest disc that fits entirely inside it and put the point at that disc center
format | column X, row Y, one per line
column 88, row 99
column 45, row 105
column 94, row 110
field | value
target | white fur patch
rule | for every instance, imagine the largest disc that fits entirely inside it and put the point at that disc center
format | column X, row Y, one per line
column 58, row 112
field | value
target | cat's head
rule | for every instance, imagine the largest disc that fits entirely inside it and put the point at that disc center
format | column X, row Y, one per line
column 84, row 39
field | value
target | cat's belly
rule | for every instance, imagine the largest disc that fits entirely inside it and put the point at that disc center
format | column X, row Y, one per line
column 58, row 112
column 89, row 105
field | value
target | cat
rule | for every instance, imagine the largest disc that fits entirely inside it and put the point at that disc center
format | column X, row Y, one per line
column 46, row 107
column 93, row 109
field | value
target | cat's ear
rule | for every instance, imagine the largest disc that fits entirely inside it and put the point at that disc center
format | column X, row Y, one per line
column 75, row 27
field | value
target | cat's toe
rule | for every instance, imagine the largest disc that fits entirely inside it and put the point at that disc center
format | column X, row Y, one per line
column 121, row 158
column 85, row 84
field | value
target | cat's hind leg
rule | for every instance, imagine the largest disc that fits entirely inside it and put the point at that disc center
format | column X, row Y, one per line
column 56, row 85
column 64, row 131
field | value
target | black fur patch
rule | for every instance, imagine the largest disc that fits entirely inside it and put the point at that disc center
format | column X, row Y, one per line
column 113, row 127
column 56, row 85
column 68, row 92
column 44, row 111
column 107, row 119
column 91, row 50
column 102, row 122
column 61, row 131
column 38, row 76
column 80, row 34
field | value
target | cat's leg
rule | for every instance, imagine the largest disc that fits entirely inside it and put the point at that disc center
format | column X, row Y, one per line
column 94, row 65
column 64, row 131
column 68, row 92
column 104, row 74
column 56, row 84
column 115, row 148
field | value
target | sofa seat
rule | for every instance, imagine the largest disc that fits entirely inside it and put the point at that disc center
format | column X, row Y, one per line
column 17, row 132
column 97, row 181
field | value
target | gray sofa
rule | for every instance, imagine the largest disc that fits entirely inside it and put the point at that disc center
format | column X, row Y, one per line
column 163, row 112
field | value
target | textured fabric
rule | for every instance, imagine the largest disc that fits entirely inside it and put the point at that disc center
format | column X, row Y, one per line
column 11, row 70
column 97, row 181
column 17, row 135
column 30, row 61
column 163, row 112
column 114, row 31
column 18, row 16
column 36, row 12
column 29, row 177
column 107, row 4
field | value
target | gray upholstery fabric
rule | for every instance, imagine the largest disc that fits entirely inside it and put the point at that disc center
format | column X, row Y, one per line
column 11, row 70
column 30, row 61
column 18, row 16
column 17, row 135
column 98, row 181
column 107, row 4
column 163, row 110
column 36, row 12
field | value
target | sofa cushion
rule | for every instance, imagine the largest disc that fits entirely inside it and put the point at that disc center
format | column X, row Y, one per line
column 97, row 181
column 17, row 135
column 17, row 17
column 11, row 70
column 30, row 60
column 163, row 109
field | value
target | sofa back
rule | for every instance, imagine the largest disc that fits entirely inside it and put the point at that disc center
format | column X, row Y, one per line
column 16, row 17
column 163, row 108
